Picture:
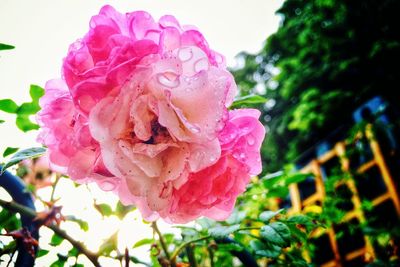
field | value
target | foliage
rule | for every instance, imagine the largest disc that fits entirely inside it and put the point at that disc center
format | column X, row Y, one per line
column 25, row 110
column 326, row 54
column 6, row 46
column 21, row 155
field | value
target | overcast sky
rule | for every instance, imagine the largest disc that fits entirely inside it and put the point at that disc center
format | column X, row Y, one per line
column 42, row 30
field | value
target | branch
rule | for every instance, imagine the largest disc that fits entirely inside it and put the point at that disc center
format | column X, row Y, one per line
column 15, row 207
column 58, row 177
column 162, row 241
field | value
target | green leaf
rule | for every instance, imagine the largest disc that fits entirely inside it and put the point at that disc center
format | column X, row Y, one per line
column 73, row 252
column 266, row 216
column 280, row 192
column 134, row 259
column 6, row 46
column 28, row 108
column 9, row 151
column 265, row 250
column 272, row 179
column 8, row 105
column 30, row 188
column 56, row 240
column 104, row 209
column 249, row 100
column 2, row 121
column 296, row 178
column 36, row 92
column 29, row 153
column 41, row 253
column 121, row 210
column 187, row 231
column 82, row 224
column 24, row 123
column 236, row 217
column 223, row 231
column 23, row 112
column 58, row 263
column 169, row 238
column 9, row 221
column 206, row 223
column 277, row 233
column 109, row 245
column 8, row 248
column 300, row 219
column 145, row 241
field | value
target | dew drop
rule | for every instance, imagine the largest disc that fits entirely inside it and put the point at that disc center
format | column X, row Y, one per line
column 107, row 185
column 250, row 140
column 194, row 129
column 185, row 54
column 168, row 79
column 201, row 64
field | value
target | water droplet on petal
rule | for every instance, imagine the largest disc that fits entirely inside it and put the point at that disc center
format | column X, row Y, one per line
column 107, row 185
column 194, row 129
column 168, row 79
column 250, row 140
column 185, row 54
column 201, row 64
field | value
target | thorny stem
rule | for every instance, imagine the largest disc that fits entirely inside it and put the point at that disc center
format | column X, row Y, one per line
column 15, row 207
column 161, row 238
column 126, row 257
column 58, row 176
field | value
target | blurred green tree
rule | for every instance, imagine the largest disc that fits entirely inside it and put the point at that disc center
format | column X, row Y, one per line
column 326, row 58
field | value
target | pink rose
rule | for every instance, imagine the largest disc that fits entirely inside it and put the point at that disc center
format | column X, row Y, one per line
column 71, row 148
column 143, row 112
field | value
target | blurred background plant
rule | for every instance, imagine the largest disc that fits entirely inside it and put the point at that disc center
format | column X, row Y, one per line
column 328, row 195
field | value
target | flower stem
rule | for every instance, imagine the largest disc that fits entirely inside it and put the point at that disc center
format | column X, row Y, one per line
column 161, row 238
column 15, row 207
column 58, row 176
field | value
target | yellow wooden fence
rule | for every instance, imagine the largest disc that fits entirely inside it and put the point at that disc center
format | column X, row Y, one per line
column 315, row 166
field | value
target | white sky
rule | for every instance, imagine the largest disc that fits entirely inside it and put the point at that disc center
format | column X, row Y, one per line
column 42, row 30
